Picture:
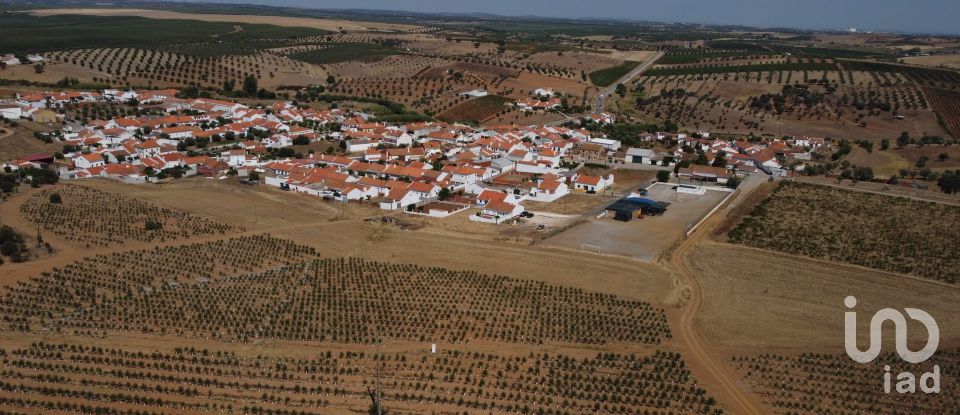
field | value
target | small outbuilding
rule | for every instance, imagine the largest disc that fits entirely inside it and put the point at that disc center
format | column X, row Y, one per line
column 626, row 209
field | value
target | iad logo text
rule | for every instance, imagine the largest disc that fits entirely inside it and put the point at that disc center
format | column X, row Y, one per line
column 906, row 381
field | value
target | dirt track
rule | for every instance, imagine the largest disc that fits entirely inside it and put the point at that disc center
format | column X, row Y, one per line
column 720, row 380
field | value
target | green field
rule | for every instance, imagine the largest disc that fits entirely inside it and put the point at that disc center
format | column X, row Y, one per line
column 606, row 77
column 345, row 52
column 71, row 32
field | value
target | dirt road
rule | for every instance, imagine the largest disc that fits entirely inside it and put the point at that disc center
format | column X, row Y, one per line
column 720, row 380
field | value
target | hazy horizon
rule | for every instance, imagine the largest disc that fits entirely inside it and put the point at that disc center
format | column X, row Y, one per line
column 925, row 16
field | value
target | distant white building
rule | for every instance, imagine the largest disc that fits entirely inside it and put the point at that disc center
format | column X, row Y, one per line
column 544, row 92
column 11, row 112
column 609, row 144
column 476, row 93
column 10, row 60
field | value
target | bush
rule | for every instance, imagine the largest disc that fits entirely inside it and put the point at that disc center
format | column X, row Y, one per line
column 9, row 248
column 152, row 225
column 663, row 176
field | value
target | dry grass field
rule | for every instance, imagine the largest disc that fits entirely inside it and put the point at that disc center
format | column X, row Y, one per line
column 884, row 232
column 936, row 61
column 325, row 24
column 883, row 163
column 19, row 142
column 757, row 301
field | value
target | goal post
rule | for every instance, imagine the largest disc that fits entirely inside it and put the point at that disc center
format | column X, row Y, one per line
column 591, row 248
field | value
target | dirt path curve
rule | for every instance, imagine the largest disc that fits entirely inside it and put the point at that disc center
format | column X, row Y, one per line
column 724, row 381
column 236, row 29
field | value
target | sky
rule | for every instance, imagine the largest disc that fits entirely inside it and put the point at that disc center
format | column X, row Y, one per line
column 916, row 16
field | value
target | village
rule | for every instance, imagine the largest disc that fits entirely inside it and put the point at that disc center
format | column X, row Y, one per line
column 426, row 168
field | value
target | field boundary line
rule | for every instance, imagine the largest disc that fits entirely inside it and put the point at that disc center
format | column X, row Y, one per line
column 876, row 192
column 821, row 261
column 711, row 212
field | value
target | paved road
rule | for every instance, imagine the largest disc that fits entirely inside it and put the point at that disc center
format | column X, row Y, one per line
column 606, row 92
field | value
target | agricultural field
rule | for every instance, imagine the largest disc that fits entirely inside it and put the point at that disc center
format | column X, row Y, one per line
column 66, row 32
column 798, row 98
column 421, row 67
column 77, row 214
column 345, row 52
column 191, row 380
column 450, row 307
column 330, row 25
column 947, row 105
column 816, row 383
column 476, row 110
column 175, row 67
column 606, row 77
column 876, row 231
column 141, row 300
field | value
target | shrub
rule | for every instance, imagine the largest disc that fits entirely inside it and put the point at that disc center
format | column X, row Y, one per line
column 663, row 176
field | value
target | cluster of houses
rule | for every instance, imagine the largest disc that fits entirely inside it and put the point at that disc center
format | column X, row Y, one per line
column 697, row 152
column 407, row 166
column 543, row 99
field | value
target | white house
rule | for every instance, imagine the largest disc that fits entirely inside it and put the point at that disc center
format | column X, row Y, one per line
column 466, row 175
column 497, row 212
column 592, row 183
column 236, row 157
column 359, row 145
column 11, row 112
column 86, row 161
column 549, row 191
column 399, row 198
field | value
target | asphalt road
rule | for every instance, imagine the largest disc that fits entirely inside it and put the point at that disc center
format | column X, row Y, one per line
column 606, row 92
